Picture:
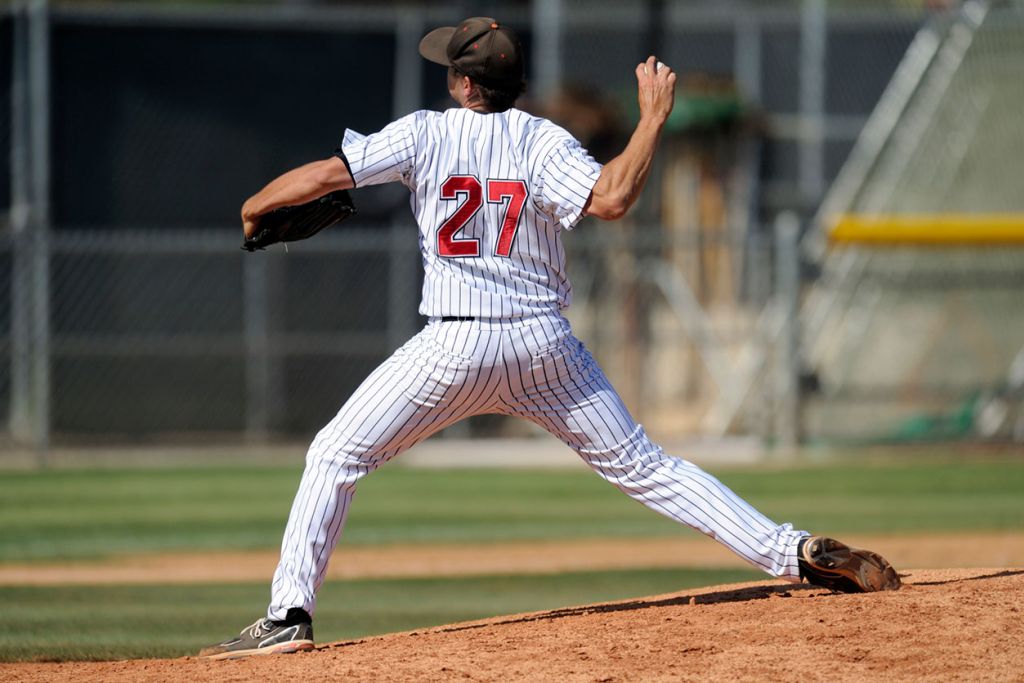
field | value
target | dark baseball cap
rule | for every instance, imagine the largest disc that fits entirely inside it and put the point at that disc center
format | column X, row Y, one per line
column 480, row 48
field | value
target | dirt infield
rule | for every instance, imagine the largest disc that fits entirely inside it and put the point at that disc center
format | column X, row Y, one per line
column 944, row 624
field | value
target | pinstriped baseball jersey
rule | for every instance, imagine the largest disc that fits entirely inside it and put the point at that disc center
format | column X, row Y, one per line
column 491, row 192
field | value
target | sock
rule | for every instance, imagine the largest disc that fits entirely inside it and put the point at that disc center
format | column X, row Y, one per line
column 800, row 556
column 295, row 615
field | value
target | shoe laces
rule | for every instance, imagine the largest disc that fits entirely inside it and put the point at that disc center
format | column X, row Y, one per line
column 260, row 628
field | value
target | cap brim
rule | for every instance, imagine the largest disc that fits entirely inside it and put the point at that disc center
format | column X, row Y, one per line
column 434, row 46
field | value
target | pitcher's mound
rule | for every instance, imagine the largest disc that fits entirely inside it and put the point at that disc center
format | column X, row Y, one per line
column 963, row 623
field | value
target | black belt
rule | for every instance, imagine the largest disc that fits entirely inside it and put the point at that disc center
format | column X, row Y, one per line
column 456, row 318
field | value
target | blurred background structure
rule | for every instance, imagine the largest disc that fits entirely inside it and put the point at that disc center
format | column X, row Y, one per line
column 742, row 296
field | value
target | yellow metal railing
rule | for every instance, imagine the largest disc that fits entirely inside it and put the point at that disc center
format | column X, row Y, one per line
column 978, row 229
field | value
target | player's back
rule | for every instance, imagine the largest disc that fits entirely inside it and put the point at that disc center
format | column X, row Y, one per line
column 491, row 192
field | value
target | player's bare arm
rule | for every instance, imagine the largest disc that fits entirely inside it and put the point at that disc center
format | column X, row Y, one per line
column 298, row 186
column 623, row 178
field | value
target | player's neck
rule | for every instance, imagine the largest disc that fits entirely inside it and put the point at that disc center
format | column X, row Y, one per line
column 474, row 102
column 477, row 105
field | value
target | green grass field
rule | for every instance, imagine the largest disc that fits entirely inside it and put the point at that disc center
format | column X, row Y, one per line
column 79, row 514
column 65, row 515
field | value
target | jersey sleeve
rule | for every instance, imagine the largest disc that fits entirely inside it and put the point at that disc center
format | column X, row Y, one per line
column 566, row 178
column 387, row 156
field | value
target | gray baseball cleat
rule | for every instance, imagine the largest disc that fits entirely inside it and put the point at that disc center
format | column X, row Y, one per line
column 263, row 637
column 830, row 564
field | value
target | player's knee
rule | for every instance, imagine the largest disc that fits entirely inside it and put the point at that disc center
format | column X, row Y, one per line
column 635, row 453
column 337, row 449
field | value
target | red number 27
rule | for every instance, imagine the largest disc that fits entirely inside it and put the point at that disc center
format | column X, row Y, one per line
column 467, row 188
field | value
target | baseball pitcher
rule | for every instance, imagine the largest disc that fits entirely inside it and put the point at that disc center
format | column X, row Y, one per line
column 494, row 190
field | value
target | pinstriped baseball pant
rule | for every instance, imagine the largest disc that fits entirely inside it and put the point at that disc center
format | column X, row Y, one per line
column 533, row 368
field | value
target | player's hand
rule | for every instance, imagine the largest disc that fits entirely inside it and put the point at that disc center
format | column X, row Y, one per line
column 657, row 90
column 250, row 221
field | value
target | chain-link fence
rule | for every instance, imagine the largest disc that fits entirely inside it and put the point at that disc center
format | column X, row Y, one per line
column 916, row 329
column 917, row 343
column 137, row 129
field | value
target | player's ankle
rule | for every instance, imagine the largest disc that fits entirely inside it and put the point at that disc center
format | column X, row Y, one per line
column 294, row 616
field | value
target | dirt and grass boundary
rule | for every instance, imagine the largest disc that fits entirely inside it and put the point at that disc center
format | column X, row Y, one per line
column 923, row 550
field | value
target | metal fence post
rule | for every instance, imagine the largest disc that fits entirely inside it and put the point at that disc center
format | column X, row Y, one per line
column 402, row 268
column 813, row 37
column 39, row 141
column 547, row 51
column 407, row 88
column 258, row 362
column 30, row 217
column 21, row 273
column 787, row 366
column 748, row 55
column 407, row 97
